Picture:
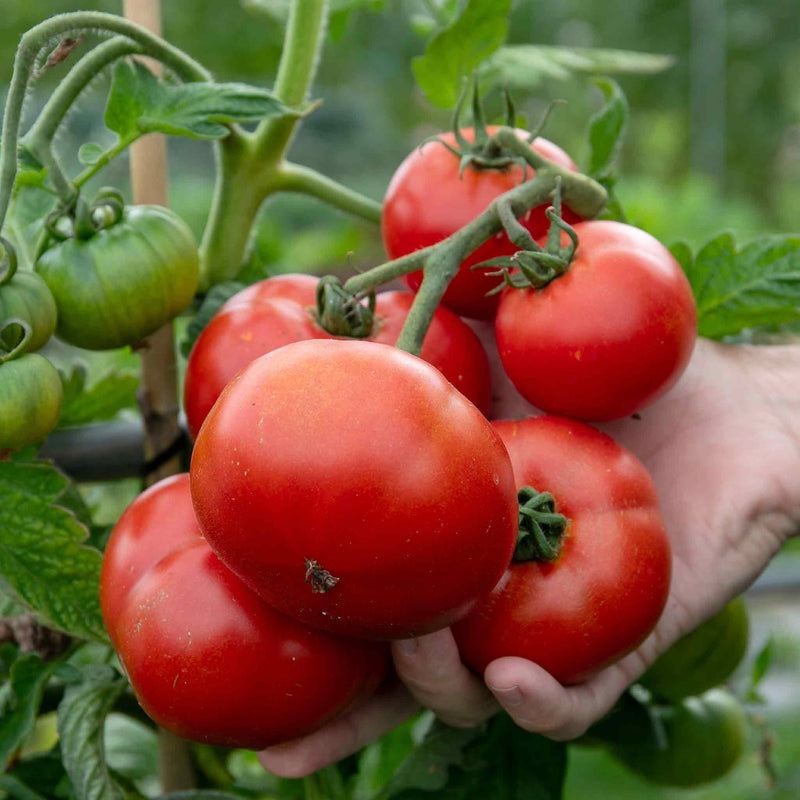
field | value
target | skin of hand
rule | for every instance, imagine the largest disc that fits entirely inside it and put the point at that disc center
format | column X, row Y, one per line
column 723, row 447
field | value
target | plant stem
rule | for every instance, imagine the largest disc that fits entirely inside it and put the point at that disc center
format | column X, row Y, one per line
column 297, row 178
column 237, row 198
column 302, row 45
column 77, row 79
column 39, row 139
column 106, row 158
column 391, row 270
column 248, row 165
column 30, row 45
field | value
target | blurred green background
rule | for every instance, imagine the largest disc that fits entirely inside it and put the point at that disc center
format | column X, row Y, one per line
column 714, row 144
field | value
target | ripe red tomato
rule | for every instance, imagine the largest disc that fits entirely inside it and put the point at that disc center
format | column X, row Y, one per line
column 607, row 588
column 427, row 201
column 608, row 337
column 356, row 461
column 207, row 658
column 280, row 310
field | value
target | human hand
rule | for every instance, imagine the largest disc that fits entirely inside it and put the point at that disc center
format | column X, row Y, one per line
column 722, row 447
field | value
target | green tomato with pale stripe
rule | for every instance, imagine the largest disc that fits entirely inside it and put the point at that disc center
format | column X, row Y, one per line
column 120, row 275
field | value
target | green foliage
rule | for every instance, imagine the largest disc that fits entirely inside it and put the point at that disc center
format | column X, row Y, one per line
column 42, row 555
column 81, row 716
column 500, row 761
column 739, row 289
column 761, row 665
column 607, row 129
column 103, row 400
column 140, row 103
column 20, row 698
column 212, row 303
column 457, row 50
column 527, row 67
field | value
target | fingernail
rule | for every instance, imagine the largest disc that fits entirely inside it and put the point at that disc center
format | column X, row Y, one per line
column 407, row 647
column 508, row 696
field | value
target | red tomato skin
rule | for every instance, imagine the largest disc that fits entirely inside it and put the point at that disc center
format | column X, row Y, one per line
column 607, row 338
column 207, row 658
column 161, row 520
column 282, row 309
column 606, row 590
column 366, row 460
column 427, row 201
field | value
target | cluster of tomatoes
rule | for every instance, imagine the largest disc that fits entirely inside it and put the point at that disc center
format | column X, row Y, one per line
column 344, row 493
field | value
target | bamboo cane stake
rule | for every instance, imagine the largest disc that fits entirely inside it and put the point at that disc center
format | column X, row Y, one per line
column 158, row 392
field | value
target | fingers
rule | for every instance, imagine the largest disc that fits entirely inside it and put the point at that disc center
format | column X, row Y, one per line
column 378, row 715
column 538, row 702
column 430, row 666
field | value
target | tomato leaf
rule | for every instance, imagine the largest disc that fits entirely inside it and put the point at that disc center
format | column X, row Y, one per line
column 201, row 794
column 212, row 303
column 379, row 760
column 38, row 776
column 81, row 718
column 761, row 665
column 20, row 699
column 278, row 10
column 498, row 760
column 42, row 555
column 458, row 49
column 607, row 129
column 758, row 285
column 90, row 153
column 103, row 400
column 526, row 67
column 140, row 103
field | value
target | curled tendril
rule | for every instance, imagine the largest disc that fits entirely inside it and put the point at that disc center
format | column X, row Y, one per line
column 15, row 335
column 79, row 220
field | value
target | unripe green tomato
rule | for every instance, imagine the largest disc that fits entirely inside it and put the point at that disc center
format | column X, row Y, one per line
column 704, row 658
column 705, row 738
column 30, row 400
column 27, row 297
column 124, row 282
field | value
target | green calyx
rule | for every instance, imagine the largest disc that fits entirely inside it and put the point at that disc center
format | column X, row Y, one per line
column 541, row 527
column 486, row 151
column 341, row 313
column 79, row 220
column 533, row 266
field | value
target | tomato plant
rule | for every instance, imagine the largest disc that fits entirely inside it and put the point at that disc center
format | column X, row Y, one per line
column 704, row 658
column 119, row 274
column 603, row 592
column 352, row 508
column 284, row 309
column 606, row 338
column 430, row 197
column 197, row 644
column 705, row 738
column 339, row 483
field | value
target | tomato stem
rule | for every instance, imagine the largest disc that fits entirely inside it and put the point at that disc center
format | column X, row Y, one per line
column 541, row 527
